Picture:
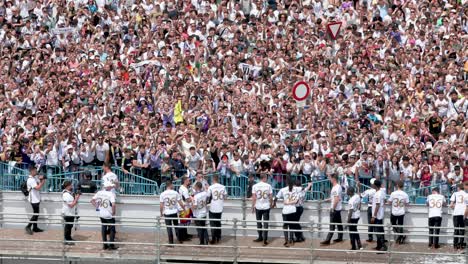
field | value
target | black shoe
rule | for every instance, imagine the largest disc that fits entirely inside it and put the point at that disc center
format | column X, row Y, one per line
column 369, row 240
column 353, row 248
column 189, row 236
column 258, row 240
column 429, row 246
column 384, row 248
column 212, row 242
column 37, row 230
column 338, row 240
column 113, row 247
column 265, row 243
column 377, row 248
column 402, row 240
column 28, row 230
column 437, row 246
column 69, row 243
column 286, row 244
column 325, row 242
column 105, row 247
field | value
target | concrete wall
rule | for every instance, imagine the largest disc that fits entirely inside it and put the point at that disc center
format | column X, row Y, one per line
column 145, row 209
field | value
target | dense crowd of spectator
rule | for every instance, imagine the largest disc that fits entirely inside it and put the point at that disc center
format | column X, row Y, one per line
column 201, row 86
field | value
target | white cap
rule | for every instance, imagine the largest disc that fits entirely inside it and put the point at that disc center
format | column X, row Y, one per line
column 372, row 181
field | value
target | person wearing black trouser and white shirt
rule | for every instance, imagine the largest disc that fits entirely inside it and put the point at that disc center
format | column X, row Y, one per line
column 369, row 193
column 34, row 185
column 168, row 207
column 104, row 201
column 399, row 200
column 435, row 201
column 185, row 192
column 262, row 197
column 69, row 209
column 335, row 211
column 200, row 212
column 354, row 213
column 217, row 194
column 458, row 204
column 378, row 213
column 110, row 178
column 289, row 209
column 300, row 193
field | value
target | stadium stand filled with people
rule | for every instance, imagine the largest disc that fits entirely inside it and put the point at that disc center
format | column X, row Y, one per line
column 164, row 89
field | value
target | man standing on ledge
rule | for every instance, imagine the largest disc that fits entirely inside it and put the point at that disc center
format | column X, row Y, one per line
column 378, row 206
column 399, row 200
column 369, row 193
column 335, row 211
column 34, row 185
column 104, row 201
column 262, row 197
column 458, row 204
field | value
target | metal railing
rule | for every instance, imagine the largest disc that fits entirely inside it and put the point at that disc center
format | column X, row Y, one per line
column 232, row 249
column 135, row 183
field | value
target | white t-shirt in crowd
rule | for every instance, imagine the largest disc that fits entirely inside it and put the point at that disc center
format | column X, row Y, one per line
column 369, row 193
column 262, row 191
column 34, row 195
column 104, row 201
column 101, row 151
column 68, row 198
column 217, row 192
column 199, row 205
column 379, row 198
column 354, row 204
column 435, row 203
column 336, row 192
column 171, row 199
column 459, row 198
column 288, row 197
column 399, row 199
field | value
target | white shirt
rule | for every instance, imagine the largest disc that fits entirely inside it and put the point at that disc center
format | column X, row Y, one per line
column 354, row 204
column 199, row 205
column 301, row 194
column 52, row 157
column 435, row 203
column 459, row 198
column 184, row 192
column 288, row 197
column 110, row 177
column 399, row 199
column 217, row 192
column 101, row 151
column 379, row 198
column 104, row 201
column 262, row 192
column 370, row 194
column 171, row 199
column 68, row 198
column 34, row 195
column 336, row 192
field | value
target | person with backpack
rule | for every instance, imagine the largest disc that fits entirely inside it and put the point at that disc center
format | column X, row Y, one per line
column 33, row 192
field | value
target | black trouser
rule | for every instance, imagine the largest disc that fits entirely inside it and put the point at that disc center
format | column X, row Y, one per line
column 335, row 218
column 35, row 216
column 288, row 234
column 69, row 221
column 434, row 228
column 379, row 228
column 172, row 222
column 354, row 235
column 370, row 228
column 98, row 163
column 397, row 222
column 265, row 215
column 215, row 226
column 297, row 218
column 459, row 225
column 105, row 228
column 202, row 232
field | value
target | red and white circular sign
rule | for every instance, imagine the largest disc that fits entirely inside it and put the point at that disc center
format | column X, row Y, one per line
column 301, row 91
